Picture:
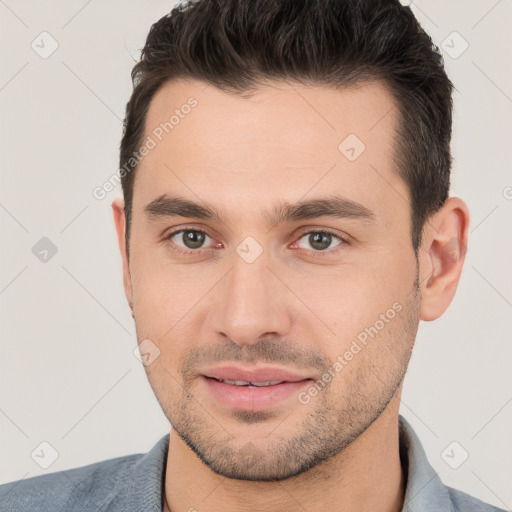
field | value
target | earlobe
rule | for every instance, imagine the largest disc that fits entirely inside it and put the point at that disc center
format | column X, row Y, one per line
column 442, row 256
column 120, row 224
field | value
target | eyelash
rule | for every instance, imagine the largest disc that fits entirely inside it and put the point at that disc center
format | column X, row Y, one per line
column 314, row 254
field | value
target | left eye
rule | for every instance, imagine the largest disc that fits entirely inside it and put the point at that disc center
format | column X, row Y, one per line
column 319, row 240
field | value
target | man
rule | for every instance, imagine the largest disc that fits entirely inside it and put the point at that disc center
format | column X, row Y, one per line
column 285, row 226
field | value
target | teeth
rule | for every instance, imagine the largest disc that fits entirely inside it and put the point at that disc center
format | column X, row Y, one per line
column 268, row 383
column 236, row 382
column 251, row 384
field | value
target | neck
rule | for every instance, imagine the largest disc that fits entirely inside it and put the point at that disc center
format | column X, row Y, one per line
column 367, row 475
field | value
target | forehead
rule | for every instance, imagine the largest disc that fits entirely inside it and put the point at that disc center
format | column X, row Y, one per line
column 283, row 142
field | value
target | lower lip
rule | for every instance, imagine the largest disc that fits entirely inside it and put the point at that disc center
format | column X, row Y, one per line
column 246, row 398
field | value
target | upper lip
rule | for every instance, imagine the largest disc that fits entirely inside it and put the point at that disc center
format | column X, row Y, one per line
column 264, row 374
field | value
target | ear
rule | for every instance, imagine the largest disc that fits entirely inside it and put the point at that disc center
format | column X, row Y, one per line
column 441, row 257
column 120, row 223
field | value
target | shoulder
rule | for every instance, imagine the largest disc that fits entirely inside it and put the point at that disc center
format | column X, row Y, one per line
column 463, row 502
column 90, row 487
column 425, row 490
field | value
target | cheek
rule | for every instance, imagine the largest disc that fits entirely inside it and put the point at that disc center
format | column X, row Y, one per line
column 363, row 305
column 354, row 296
column 156, row 301
column 166, row 297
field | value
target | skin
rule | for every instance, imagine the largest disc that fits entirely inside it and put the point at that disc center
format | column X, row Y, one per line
column 287, row 308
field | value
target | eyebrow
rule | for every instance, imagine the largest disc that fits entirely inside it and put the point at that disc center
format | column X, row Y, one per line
column 331, row 206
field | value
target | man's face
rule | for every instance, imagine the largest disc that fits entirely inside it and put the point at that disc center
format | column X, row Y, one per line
column 329, row 295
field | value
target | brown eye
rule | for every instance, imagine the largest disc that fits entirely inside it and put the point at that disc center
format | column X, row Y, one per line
column 319, row 240
column 193, row 239
column 188, row 238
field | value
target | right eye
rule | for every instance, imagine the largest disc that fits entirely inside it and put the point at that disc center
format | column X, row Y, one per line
column 188, row 241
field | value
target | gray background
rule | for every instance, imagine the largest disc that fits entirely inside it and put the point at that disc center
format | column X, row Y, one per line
column 68, row 373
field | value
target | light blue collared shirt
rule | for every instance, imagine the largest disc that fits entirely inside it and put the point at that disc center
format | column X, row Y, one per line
column 135, row 483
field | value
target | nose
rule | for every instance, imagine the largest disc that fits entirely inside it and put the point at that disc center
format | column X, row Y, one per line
column 251, row 303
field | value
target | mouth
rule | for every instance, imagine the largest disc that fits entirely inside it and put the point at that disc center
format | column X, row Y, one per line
column 249, row 384
column 236, row 375
column 259, row 390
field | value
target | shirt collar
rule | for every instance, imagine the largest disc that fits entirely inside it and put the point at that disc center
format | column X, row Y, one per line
column 424, row 489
